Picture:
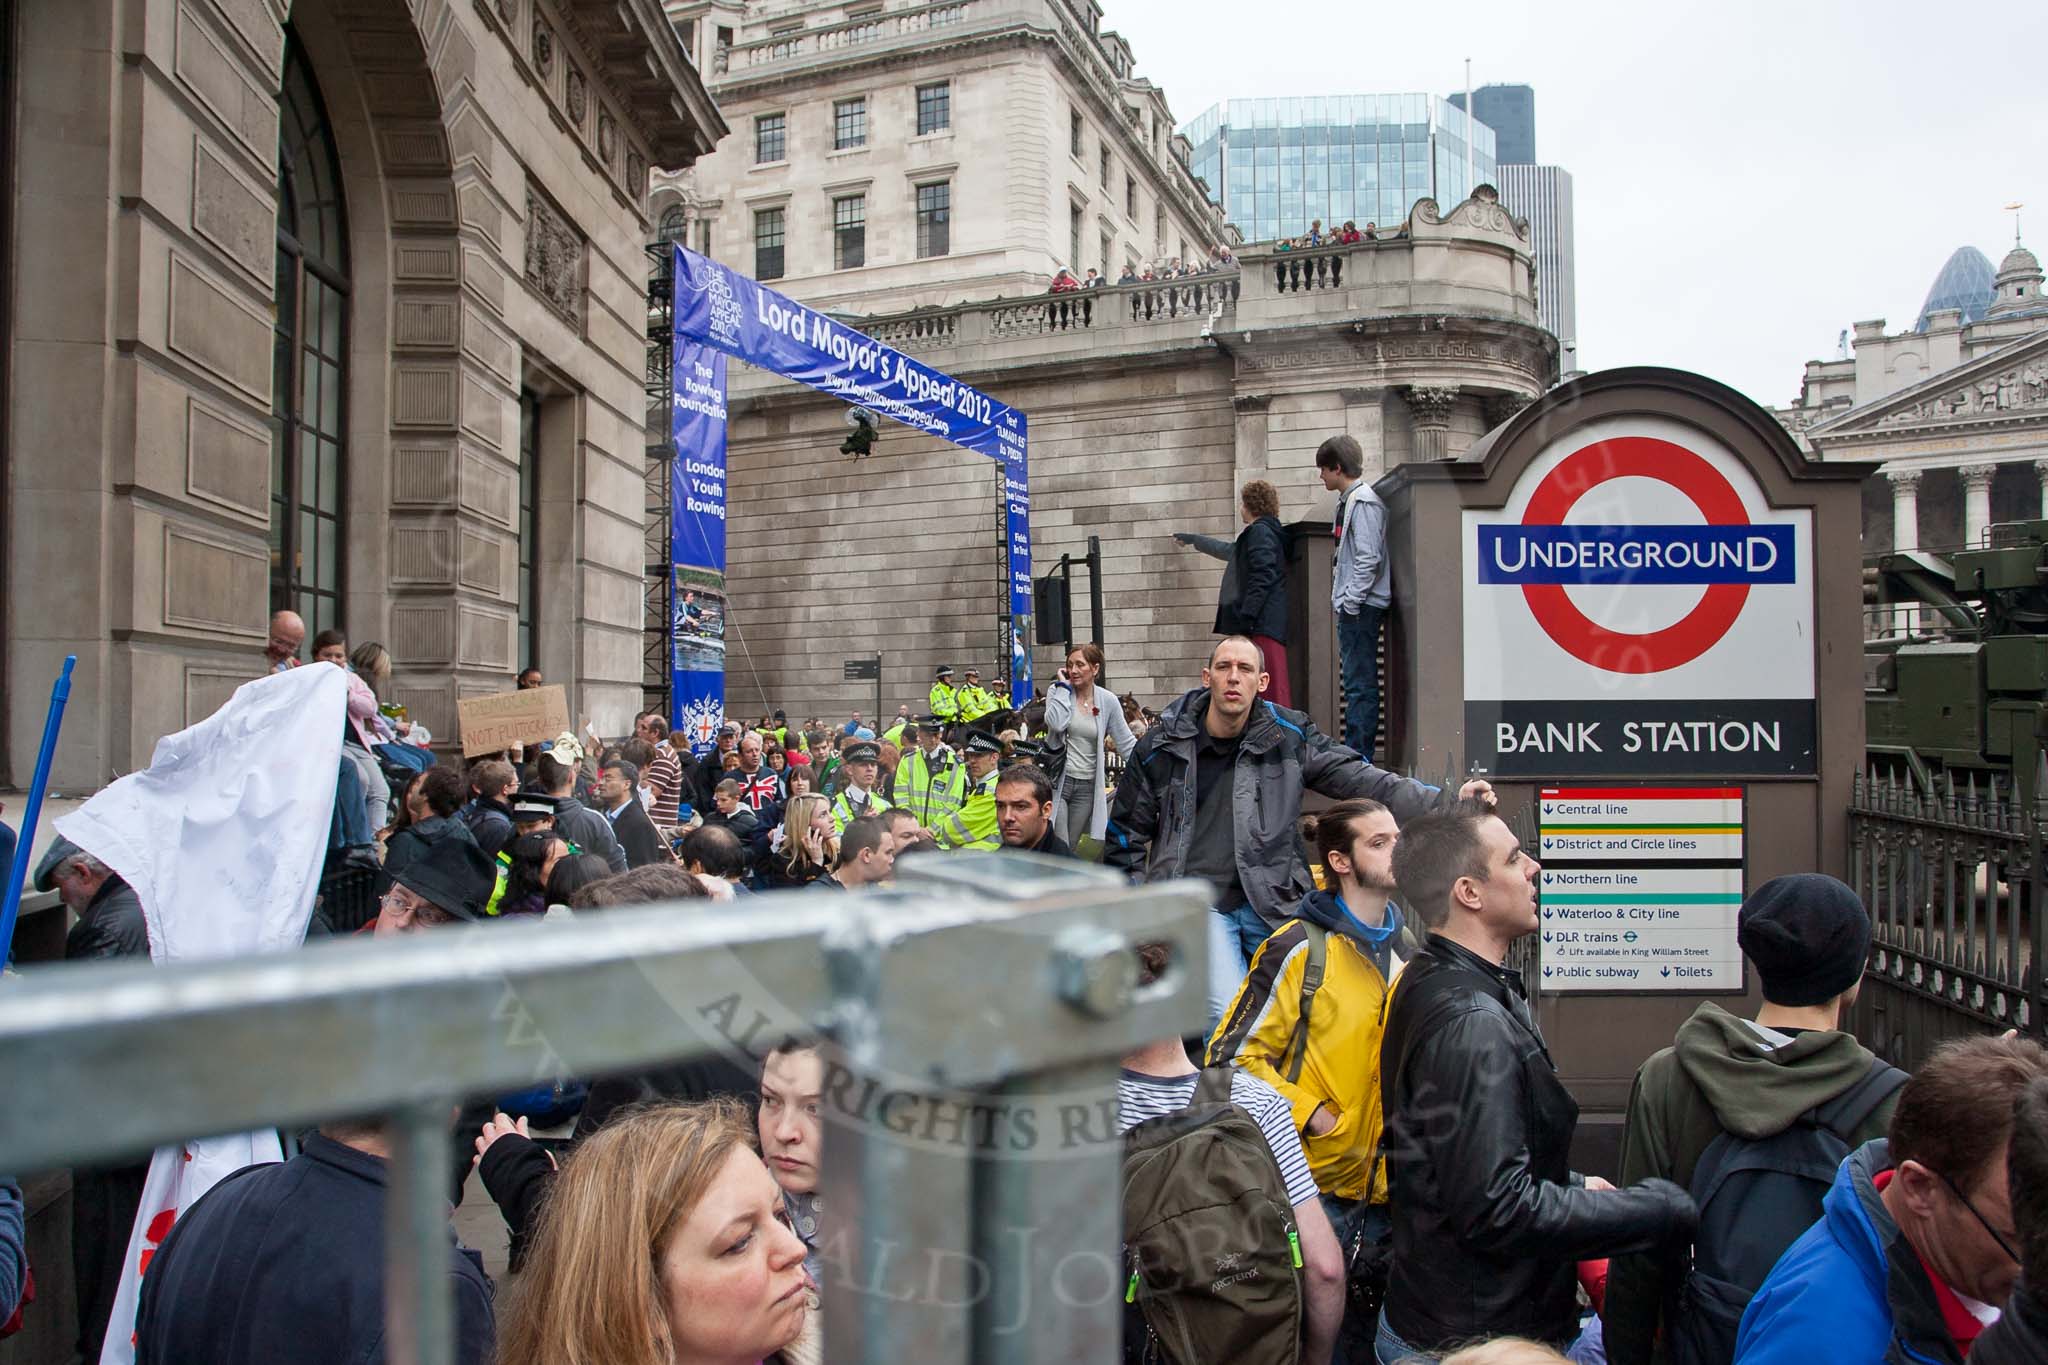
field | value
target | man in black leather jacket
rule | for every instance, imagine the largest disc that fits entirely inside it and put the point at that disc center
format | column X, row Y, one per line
column 1489, row 1219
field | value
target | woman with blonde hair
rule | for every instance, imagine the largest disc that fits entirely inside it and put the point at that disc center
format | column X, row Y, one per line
column 663, row 1242
column 804, row 848
column 1507, row 1351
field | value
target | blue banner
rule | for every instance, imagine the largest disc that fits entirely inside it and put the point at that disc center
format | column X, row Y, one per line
column 716, row 307
column 697, row 547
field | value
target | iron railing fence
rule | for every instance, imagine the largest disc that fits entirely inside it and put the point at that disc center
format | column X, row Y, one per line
column 1954, row 880
column 971, row 1158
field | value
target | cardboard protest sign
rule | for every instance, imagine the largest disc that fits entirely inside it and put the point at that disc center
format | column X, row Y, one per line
column 503, row 719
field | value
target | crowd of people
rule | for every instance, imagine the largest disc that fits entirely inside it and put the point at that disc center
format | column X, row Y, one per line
column 1219, row 261
column 1371, row 1121
column 1348, row 235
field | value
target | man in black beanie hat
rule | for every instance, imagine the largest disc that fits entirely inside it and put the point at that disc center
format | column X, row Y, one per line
column 1807, row 935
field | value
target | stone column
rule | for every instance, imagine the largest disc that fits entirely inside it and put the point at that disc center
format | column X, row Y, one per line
column 2041, row 473
column 1976, row 501
column 1431, row 406
column 1905, row 508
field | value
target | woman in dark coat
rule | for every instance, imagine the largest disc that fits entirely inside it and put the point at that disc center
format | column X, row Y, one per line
column 1254, row 600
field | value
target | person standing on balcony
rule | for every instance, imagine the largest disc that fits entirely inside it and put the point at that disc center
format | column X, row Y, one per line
column 1360, row 588
column 1254, row 600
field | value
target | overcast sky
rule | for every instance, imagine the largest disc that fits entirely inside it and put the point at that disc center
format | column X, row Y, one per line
column 1748, row 182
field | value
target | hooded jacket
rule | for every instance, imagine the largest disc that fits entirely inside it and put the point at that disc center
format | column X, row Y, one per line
column 1852, row 1288
column 1721, row 1074
column 1341, row 1061
column 1152, row 820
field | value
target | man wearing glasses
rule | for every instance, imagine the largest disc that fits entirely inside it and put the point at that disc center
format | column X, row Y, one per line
column 1915, row 1250
column 448, row 884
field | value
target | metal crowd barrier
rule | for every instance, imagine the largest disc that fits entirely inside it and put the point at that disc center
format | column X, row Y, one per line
column 971, row 1161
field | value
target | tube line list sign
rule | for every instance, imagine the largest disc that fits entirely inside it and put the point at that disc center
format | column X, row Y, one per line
column 1640, row 888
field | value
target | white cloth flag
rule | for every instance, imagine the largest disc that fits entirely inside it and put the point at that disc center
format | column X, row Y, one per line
column 223, row 838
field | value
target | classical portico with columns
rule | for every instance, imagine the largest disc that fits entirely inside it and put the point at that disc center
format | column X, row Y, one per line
column 1953, row 413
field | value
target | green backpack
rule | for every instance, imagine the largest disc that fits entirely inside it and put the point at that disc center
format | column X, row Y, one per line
column 1209, row 1239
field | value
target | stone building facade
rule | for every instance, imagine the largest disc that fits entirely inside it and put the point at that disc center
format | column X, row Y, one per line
column 336, row 305
column 1954, row 412
column 1148, row 407
column 900, row 155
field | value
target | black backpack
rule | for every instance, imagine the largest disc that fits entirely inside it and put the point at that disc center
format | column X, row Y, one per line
column 1210, row 1246
column 1756, row 1198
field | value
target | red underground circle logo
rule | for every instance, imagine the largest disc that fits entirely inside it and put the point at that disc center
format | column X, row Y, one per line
column 1543, row 555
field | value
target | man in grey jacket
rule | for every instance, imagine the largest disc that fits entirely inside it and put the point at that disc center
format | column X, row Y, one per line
column 1214, row 791
column 1360, row 589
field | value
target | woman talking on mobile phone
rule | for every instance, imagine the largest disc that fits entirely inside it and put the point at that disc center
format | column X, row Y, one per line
column 1079, row 715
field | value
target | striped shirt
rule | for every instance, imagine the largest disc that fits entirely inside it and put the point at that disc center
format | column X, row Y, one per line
column 1140, row 1097
column 664, row 778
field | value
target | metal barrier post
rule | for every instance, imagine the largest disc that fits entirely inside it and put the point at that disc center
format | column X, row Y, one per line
column 418, row 1289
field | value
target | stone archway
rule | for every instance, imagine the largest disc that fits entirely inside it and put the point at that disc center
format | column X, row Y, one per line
column 432, row 474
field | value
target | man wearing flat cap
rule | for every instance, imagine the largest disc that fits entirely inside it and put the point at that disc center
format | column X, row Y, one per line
column 945, row 701
column 975, row 824
column 1806, row 936
column 109, row 914
column 858, row 762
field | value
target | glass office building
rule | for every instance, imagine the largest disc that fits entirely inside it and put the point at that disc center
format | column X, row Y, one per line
column 1276, row 164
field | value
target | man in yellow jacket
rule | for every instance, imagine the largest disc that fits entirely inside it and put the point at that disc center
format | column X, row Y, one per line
column 973, row 825
column 1327, row 1065
column 945, row 697
column 930, row 783
column 975, row 702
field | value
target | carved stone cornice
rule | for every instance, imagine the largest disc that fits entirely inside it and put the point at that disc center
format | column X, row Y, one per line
column 629, row 51
column 1903, row 480
column 1977, row 475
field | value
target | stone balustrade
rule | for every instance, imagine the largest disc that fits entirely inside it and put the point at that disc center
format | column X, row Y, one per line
column 1471, row 263
column 743, row 58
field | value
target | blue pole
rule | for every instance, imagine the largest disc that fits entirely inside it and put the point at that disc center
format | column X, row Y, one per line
column 17, row 876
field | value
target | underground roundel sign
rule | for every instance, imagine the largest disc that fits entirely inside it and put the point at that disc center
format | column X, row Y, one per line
column 1638, row 607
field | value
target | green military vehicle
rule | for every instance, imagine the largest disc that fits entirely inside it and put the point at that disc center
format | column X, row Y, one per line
column 1958, row 700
